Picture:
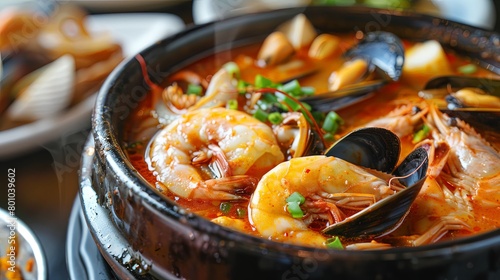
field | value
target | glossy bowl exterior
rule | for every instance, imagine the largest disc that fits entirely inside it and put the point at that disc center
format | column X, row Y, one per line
column 140, row 233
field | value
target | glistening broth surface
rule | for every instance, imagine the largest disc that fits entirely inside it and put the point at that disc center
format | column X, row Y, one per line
column 478, row 217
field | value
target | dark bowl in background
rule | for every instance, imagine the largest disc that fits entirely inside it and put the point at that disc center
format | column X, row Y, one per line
column 143, row 235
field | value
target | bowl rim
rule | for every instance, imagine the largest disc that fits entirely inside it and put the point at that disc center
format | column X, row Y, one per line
column 105, row 135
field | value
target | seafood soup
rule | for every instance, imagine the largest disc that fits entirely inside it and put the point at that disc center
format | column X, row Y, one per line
column 244, row 138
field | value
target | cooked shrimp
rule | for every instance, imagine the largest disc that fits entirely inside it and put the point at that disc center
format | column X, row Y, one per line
column 329, row 185
column 438, row 212
column 461, row 158
column 213, row 153
column 402, row 120
column 236, row 224
column 218, row 92
column 473, row 164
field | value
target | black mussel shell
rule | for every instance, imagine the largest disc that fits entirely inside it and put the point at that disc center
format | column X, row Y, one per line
column 384, row 50
column 384, row 216
column 491, row 86
column 370, row 147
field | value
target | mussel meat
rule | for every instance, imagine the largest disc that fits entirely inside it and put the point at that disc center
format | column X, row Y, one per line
column 275, row 50
column 472, row 99
column 323, row 46
column 378, row 51
column 491, row 86
column 297, row 137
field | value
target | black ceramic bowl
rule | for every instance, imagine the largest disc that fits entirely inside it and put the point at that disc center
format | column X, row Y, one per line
column 141, row 234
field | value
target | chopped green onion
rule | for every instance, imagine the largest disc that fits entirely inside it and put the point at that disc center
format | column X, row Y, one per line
column 260, row 115
column 318, row 116
column 467, row 69
column 290, row 102
column 294, row 209
column 308, row 90
column 225, row 207
column 328, row 136
column 334, row 243
column 282, row 107
column 263, row 82
column 421, row 134
column 232, row 104
column 330, row 126
column 293, row 203
column 275, row 118
column 292, row 87
column 296, row 197
column 269, row 98
column 194, row 89
column 242, row 87
column 241, row 212
column 332, row 122
column 306, row 106
column 232, row 68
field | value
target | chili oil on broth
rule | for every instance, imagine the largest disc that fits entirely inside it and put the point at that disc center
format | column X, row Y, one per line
column 386, row 99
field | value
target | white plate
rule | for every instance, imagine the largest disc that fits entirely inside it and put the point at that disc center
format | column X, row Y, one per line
column 28, row 246
column 134, row 32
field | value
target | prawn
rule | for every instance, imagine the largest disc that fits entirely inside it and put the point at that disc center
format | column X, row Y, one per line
column 473, row 164
column 213, row 153
column 402, row 120
column 459, row 158
column 438, row 211
column 331, row 186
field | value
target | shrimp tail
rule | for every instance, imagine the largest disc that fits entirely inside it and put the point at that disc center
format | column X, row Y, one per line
column 238, row 187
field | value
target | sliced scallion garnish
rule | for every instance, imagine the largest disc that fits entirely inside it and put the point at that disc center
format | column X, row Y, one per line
column 294, row 209
column 318, row 116
column 232, row 68
column 308, row 90
column 242, row 87
column 232, row 104
column 275, row 118
column 293, row 88
column 269, row 98
column 293, row 203
column 194, row 89
column 260, row 115
column 328, row 136
column 296, row 197
column 263, row 82
column 332, row 122
column 334, row 243
column 292, row 104
column 241, row 212
column 467, row 69
column 225, row 207
column 421, row 134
